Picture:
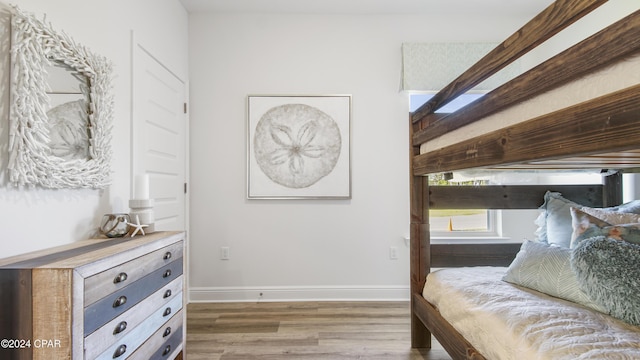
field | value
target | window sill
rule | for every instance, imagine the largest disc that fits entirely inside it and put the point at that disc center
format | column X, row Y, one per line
column 473, row 240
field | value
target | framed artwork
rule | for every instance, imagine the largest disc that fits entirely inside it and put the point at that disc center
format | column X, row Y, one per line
column 299, row 147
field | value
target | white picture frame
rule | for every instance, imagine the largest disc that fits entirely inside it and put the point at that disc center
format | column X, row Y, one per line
column 299, row 147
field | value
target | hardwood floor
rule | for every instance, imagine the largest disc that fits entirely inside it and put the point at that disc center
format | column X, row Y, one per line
column 303, row 330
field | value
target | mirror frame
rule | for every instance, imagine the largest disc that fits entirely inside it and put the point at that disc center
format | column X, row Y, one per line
column 34, row 46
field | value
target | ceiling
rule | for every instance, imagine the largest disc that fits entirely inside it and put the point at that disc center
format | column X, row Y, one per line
column 480, row 7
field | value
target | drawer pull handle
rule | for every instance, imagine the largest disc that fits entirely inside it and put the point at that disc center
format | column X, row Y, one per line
column 167, row 331
column 120, row 278
column 120, row 328
column 167, row 311
column 167, row 350
column 120, row 301
column 167, row 293
column 120, row 351
column 167, row 255
column 167, row 273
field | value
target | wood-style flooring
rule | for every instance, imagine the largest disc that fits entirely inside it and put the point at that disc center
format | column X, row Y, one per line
column 303, row 330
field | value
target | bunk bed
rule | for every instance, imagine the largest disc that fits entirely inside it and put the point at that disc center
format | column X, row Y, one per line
column 527, row 124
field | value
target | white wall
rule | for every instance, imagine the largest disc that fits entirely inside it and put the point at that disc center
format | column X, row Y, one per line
column 305, row 249
column 285, row 249
column 33, row 219
column 604, row 15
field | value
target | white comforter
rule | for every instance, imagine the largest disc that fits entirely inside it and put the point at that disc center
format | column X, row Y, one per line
column 504, row 321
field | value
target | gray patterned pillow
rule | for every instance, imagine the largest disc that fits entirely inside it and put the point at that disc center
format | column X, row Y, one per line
column 620, row 226
column 608, row 270
column 547, row 269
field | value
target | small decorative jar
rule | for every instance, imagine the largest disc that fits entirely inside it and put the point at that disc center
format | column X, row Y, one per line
column 115, row 225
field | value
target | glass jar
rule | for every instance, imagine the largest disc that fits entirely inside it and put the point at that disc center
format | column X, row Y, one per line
column 115, row 225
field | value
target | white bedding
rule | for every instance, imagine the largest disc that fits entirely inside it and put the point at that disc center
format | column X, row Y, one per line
column 504, row 321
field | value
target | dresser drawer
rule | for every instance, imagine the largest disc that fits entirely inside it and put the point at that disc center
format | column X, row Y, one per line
column 115, row 330
column 114, row 279
column 108, row 308
column 155, row 347
column 169, row 349
column 160, row 319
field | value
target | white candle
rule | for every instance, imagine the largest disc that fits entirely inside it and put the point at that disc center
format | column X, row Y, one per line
column 141, row 189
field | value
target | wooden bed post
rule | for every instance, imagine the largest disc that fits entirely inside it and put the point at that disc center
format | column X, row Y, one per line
column 420, row 258
column 612, row 191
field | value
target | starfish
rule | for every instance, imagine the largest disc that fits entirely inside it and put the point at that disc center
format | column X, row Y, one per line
column 138, row 226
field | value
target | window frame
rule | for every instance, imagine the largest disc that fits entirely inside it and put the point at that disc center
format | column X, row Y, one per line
column 494, row 228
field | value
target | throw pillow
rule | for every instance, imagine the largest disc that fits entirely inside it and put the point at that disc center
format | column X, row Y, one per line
column 554, row 223
column 555, row 220
column 586, row 226
column 613, row 216
column 547, row 269
column 607, row 270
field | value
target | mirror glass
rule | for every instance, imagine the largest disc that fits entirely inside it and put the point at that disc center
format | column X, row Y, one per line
column 67, row 112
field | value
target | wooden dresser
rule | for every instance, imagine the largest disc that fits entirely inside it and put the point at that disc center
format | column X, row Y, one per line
column 118, row 298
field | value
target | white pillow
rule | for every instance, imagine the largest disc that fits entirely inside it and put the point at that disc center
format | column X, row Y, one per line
column 554, row 223
column 547, row 269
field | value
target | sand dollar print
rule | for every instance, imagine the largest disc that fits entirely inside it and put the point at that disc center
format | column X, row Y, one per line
column 296, row 145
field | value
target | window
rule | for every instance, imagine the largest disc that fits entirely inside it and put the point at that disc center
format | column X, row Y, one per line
column 457, row 222
column 462, row 222
column 417, row 99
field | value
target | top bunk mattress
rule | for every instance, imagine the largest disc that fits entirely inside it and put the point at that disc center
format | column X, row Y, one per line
column 470, row 141
column 505, row 321
column 621, row 75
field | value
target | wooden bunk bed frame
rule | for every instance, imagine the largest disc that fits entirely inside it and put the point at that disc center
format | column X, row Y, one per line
column 600, row 133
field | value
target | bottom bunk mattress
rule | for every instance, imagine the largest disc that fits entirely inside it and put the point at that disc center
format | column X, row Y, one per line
column 505, row 321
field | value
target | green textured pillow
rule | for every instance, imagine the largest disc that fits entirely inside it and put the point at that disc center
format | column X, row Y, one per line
column 608, row 271
column 547, row 269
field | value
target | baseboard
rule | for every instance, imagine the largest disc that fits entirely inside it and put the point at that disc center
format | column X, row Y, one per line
column 299, row 293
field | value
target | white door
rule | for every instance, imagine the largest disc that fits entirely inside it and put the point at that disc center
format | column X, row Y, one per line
column 159, row 131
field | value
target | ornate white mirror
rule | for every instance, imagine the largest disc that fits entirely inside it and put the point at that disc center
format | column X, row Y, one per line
column 61, row 109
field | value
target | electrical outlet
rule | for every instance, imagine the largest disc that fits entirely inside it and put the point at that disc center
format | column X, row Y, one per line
column 224, row 253
column 393, row 253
